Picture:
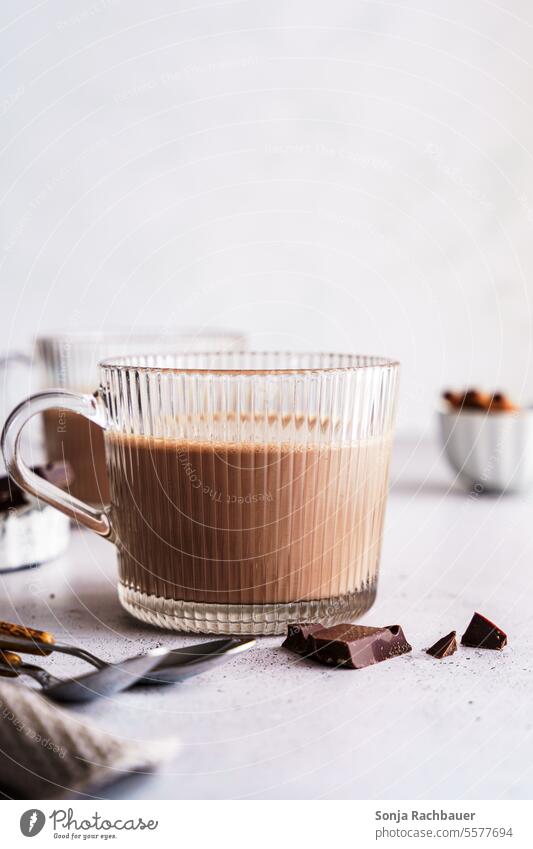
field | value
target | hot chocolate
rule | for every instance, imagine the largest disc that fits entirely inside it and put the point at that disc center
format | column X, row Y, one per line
column 81, row 442
column 247, row 523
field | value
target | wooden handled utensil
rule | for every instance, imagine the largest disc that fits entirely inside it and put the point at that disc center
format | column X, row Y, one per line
column 172, row 664
column 8, row 664
column 92, row 685
column 38, row 638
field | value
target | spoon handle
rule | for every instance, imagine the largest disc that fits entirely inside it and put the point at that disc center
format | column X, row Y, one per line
column 12, row 666
column 9, row 661
column 26, row 641
column 14, row 637
column 35, row 638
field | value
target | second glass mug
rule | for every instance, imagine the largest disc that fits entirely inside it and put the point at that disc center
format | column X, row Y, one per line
column 248, row 490
column 70, row 361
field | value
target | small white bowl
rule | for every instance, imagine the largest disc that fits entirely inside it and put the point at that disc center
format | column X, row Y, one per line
column 490, row 452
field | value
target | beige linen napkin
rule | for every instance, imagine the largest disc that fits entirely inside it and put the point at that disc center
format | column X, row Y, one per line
column 48, row 753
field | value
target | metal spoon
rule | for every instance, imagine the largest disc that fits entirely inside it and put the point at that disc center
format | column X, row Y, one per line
column 83, row 688
column 183, row 663
column 16, row 638
column 174, row 665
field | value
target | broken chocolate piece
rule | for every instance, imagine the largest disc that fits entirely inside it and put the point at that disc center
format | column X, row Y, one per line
column 444, row 647
column 11, row 495
column 298, row 636
column 483, row 634
column 347, row 646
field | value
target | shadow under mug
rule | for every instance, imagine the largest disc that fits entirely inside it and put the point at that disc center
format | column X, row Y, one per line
column 248, row 490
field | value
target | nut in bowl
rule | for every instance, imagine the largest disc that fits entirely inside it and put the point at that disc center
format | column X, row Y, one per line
column 488, row 440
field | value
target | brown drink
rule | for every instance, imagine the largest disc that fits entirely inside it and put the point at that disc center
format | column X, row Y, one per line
column 247, row 524
column 81, row 442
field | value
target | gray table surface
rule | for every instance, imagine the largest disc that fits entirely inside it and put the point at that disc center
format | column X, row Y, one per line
column 264, row 726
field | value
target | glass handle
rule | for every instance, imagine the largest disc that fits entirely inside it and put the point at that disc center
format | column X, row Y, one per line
column 90, row 406
column 15, row 357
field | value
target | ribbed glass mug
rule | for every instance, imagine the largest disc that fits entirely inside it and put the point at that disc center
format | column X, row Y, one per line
column 70, row 361
column 248, row 490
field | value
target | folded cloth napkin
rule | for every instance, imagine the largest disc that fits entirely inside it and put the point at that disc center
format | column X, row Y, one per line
column 48, row 753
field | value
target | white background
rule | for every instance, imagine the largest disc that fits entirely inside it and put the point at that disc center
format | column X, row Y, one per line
column 341, row 175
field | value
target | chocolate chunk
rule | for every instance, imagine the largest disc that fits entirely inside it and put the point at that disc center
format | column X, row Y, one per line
column 347, row 646
column 11, row 495
column 298, row 636
column 444, row 647
column 483, row 634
